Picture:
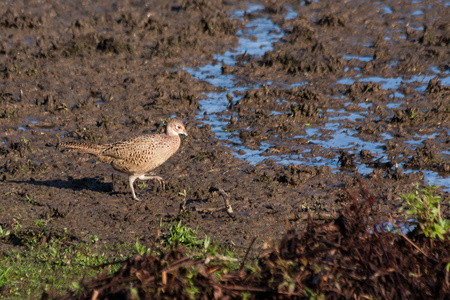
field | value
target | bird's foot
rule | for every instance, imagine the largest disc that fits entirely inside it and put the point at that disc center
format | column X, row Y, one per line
column 157, row 178
column 161, row 182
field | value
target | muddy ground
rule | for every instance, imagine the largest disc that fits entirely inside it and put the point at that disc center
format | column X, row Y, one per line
column 104, row 71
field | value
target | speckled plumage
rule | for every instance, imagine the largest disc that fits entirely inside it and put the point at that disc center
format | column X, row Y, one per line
column 136, row 156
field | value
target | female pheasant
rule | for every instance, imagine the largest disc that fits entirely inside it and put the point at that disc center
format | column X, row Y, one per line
column 137, row 156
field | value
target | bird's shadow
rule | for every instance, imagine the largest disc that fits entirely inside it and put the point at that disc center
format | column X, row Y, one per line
column 86, row 183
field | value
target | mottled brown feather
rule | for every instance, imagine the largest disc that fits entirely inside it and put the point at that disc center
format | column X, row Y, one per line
column 138, row 155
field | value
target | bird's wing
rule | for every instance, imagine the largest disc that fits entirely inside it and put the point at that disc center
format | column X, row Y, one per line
column 137, row 146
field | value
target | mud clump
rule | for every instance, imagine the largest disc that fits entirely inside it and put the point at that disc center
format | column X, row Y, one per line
column 20, row 20
column 293, row 64
column 359, row 89
column 428, row 156
column 294, row 175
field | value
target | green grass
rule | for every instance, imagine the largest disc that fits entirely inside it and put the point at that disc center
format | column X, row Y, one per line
column 38, row 259
column 26, row 273
column 426, row 209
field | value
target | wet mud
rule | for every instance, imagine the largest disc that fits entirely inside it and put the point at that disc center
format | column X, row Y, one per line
column 343, row 93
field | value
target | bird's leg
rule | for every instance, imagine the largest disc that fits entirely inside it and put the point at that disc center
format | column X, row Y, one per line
column 132, row 179
column 159, row 179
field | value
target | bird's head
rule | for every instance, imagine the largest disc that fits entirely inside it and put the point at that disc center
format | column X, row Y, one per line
column 175, row 127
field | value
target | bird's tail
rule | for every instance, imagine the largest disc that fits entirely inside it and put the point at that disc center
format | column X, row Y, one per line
column 81, row 147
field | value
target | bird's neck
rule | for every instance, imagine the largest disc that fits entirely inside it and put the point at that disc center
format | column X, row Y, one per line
column 171, row 133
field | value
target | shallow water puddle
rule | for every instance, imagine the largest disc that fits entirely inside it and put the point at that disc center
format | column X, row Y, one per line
column 404, row 226
column 362, row 58
column 258, row 38
column 266, row 33
column 395, row 82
